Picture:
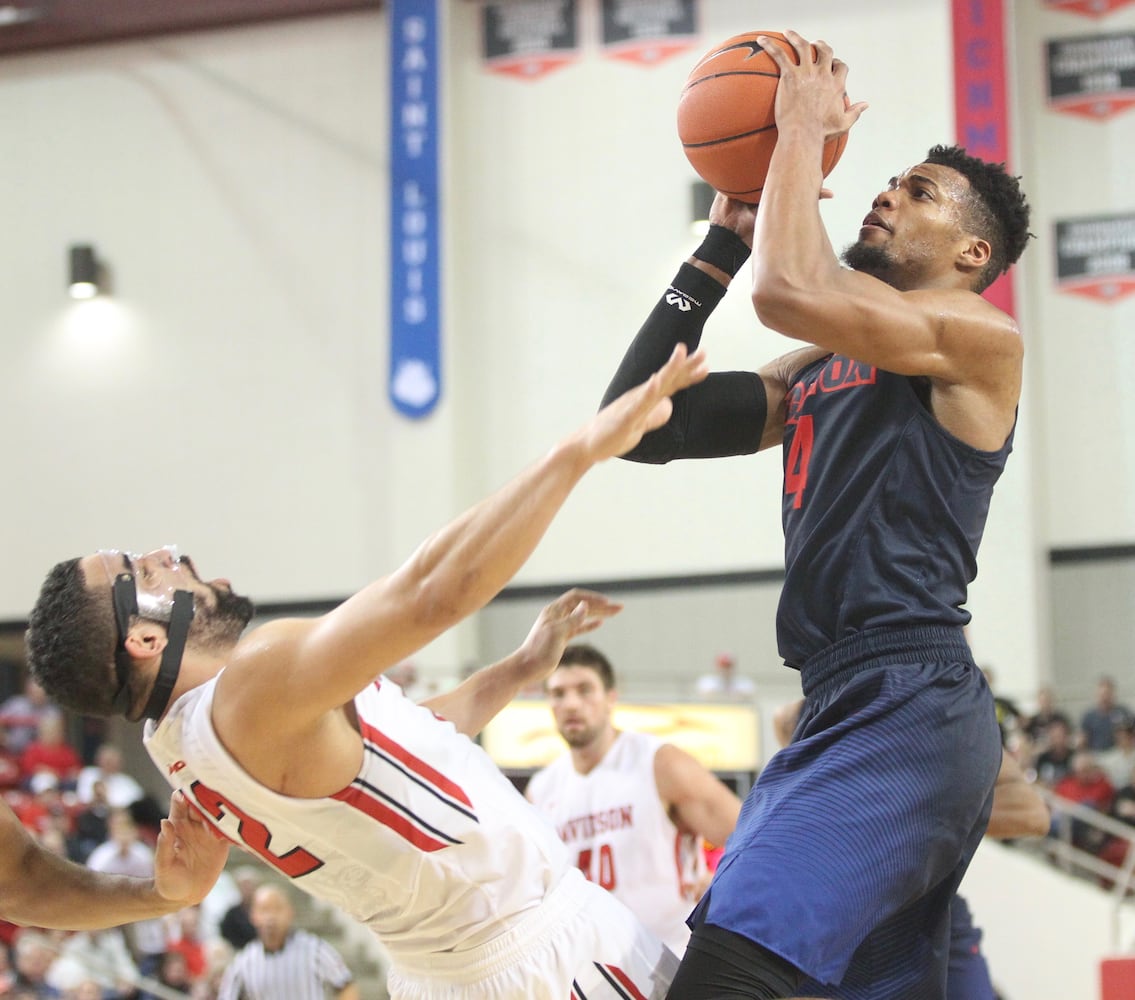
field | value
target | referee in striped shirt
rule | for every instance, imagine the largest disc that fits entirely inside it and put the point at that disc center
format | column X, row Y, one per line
column 282, row 963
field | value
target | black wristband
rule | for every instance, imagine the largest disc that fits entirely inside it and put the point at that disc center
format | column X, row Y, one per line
column 724, row 249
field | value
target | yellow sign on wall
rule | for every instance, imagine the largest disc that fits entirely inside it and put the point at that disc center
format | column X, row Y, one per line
column 720, row 737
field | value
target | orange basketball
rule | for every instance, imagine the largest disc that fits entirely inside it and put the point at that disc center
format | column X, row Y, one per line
column 726, row 120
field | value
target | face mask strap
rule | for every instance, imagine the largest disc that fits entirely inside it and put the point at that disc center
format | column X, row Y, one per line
column 178, row 633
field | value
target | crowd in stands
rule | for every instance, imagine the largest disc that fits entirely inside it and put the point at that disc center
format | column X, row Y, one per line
column 1086, row 758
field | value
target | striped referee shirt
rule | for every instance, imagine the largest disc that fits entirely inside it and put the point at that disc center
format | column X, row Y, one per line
column 301, row 970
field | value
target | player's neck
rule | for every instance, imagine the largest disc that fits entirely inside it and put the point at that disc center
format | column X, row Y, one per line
column 586, row 759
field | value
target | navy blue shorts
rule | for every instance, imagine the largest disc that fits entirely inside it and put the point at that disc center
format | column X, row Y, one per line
column 968, row 978
column 853, row 840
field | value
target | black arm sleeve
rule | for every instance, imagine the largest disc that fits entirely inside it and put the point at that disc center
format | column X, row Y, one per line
column 725, row 414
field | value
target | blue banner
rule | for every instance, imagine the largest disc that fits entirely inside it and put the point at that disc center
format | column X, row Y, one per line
column 415, row 211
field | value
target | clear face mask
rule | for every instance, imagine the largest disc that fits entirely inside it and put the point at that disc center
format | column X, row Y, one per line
column 155, row 601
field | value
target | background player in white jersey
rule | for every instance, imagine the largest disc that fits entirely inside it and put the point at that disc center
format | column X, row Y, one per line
column 285, row 740
column 632, row 810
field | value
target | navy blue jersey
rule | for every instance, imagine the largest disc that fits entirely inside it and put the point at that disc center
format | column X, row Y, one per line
column 883, row 508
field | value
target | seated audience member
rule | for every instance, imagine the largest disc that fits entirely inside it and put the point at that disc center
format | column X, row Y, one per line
column 172, row 973
column 185, row 939
column 50, row 751
column 102, row 956
column 1098, row 723
column 236, row 925
column 121, row 790
column 42, row 808
column 1086, row 785
column 91, row 825
column 1115, row 850
column 1035, row 727
column 34, row 955
column 1055, row 760
column 7, row 972
column 10, row 775
column 21, row 715
column 1008, row 714
column 123, row 853
column 1120, row 759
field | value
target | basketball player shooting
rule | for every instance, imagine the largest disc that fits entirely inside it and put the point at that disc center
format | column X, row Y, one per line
column 286, row 742
column 894, row 426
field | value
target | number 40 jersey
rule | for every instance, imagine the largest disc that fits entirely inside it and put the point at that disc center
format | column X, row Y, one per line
column 619, row 834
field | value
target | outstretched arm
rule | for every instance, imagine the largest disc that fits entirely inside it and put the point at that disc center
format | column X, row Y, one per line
column 471, row 704
column 41, row 889
column 307, row 668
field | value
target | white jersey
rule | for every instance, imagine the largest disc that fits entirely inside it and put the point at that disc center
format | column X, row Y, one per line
column 430, row 845
column 620, row 835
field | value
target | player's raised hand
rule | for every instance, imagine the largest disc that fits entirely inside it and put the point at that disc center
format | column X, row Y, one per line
column 572, row 614
column 620, row 425
column 189, row 855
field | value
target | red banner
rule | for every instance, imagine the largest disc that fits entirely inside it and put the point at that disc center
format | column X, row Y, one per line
column 1088, row 8
column 981, row 104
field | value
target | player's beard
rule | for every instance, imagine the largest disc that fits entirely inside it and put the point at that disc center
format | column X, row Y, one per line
column 870, row 259
column 582, row 737
column 219, row 627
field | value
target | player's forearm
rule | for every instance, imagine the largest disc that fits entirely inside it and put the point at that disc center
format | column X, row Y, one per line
column 464, row 565
column 475, row 701
column 52, row 892
column 794, row 258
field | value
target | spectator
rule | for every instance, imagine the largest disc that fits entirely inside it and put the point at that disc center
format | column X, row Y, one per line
column 1098, row 723
column 1036, row 725
column 34, row 954
column 1008, row 715
column 7, row 973
column 283, row 962
column 1122, row 809
column 50, row 751
column 173, row 973
column 102, row 956
column 236, row 924
column 121, row 789
column 10, row 775
column 125, row 854
column 1052, row 763
column 1120, row 759
column 724, row 681
column 21, row 715
column 1086, row 785
column 42, row 808
column 185, row 939
column 91, row 825
column 218, row 955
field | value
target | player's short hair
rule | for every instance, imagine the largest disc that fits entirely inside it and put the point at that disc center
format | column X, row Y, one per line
column 580, row 654
column 70, row 642
column 996, row 211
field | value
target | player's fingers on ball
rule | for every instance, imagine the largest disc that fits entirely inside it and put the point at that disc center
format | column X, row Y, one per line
column 824, row 54
column 774, row 51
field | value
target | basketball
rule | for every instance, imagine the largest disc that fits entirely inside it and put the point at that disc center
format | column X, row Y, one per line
column 726, row 117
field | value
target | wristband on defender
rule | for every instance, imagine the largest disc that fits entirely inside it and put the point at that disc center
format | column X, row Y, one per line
column 724, row 249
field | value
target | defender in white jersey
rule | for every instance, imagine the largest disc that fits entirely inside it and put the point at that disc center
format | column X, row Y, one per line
column 632, row 810
column 283, row 740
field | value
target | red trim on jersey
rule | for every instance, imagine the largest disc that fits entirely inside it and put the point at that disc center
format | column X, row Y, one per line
column 388, row 817
column 415, row 764
column 625, row 981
